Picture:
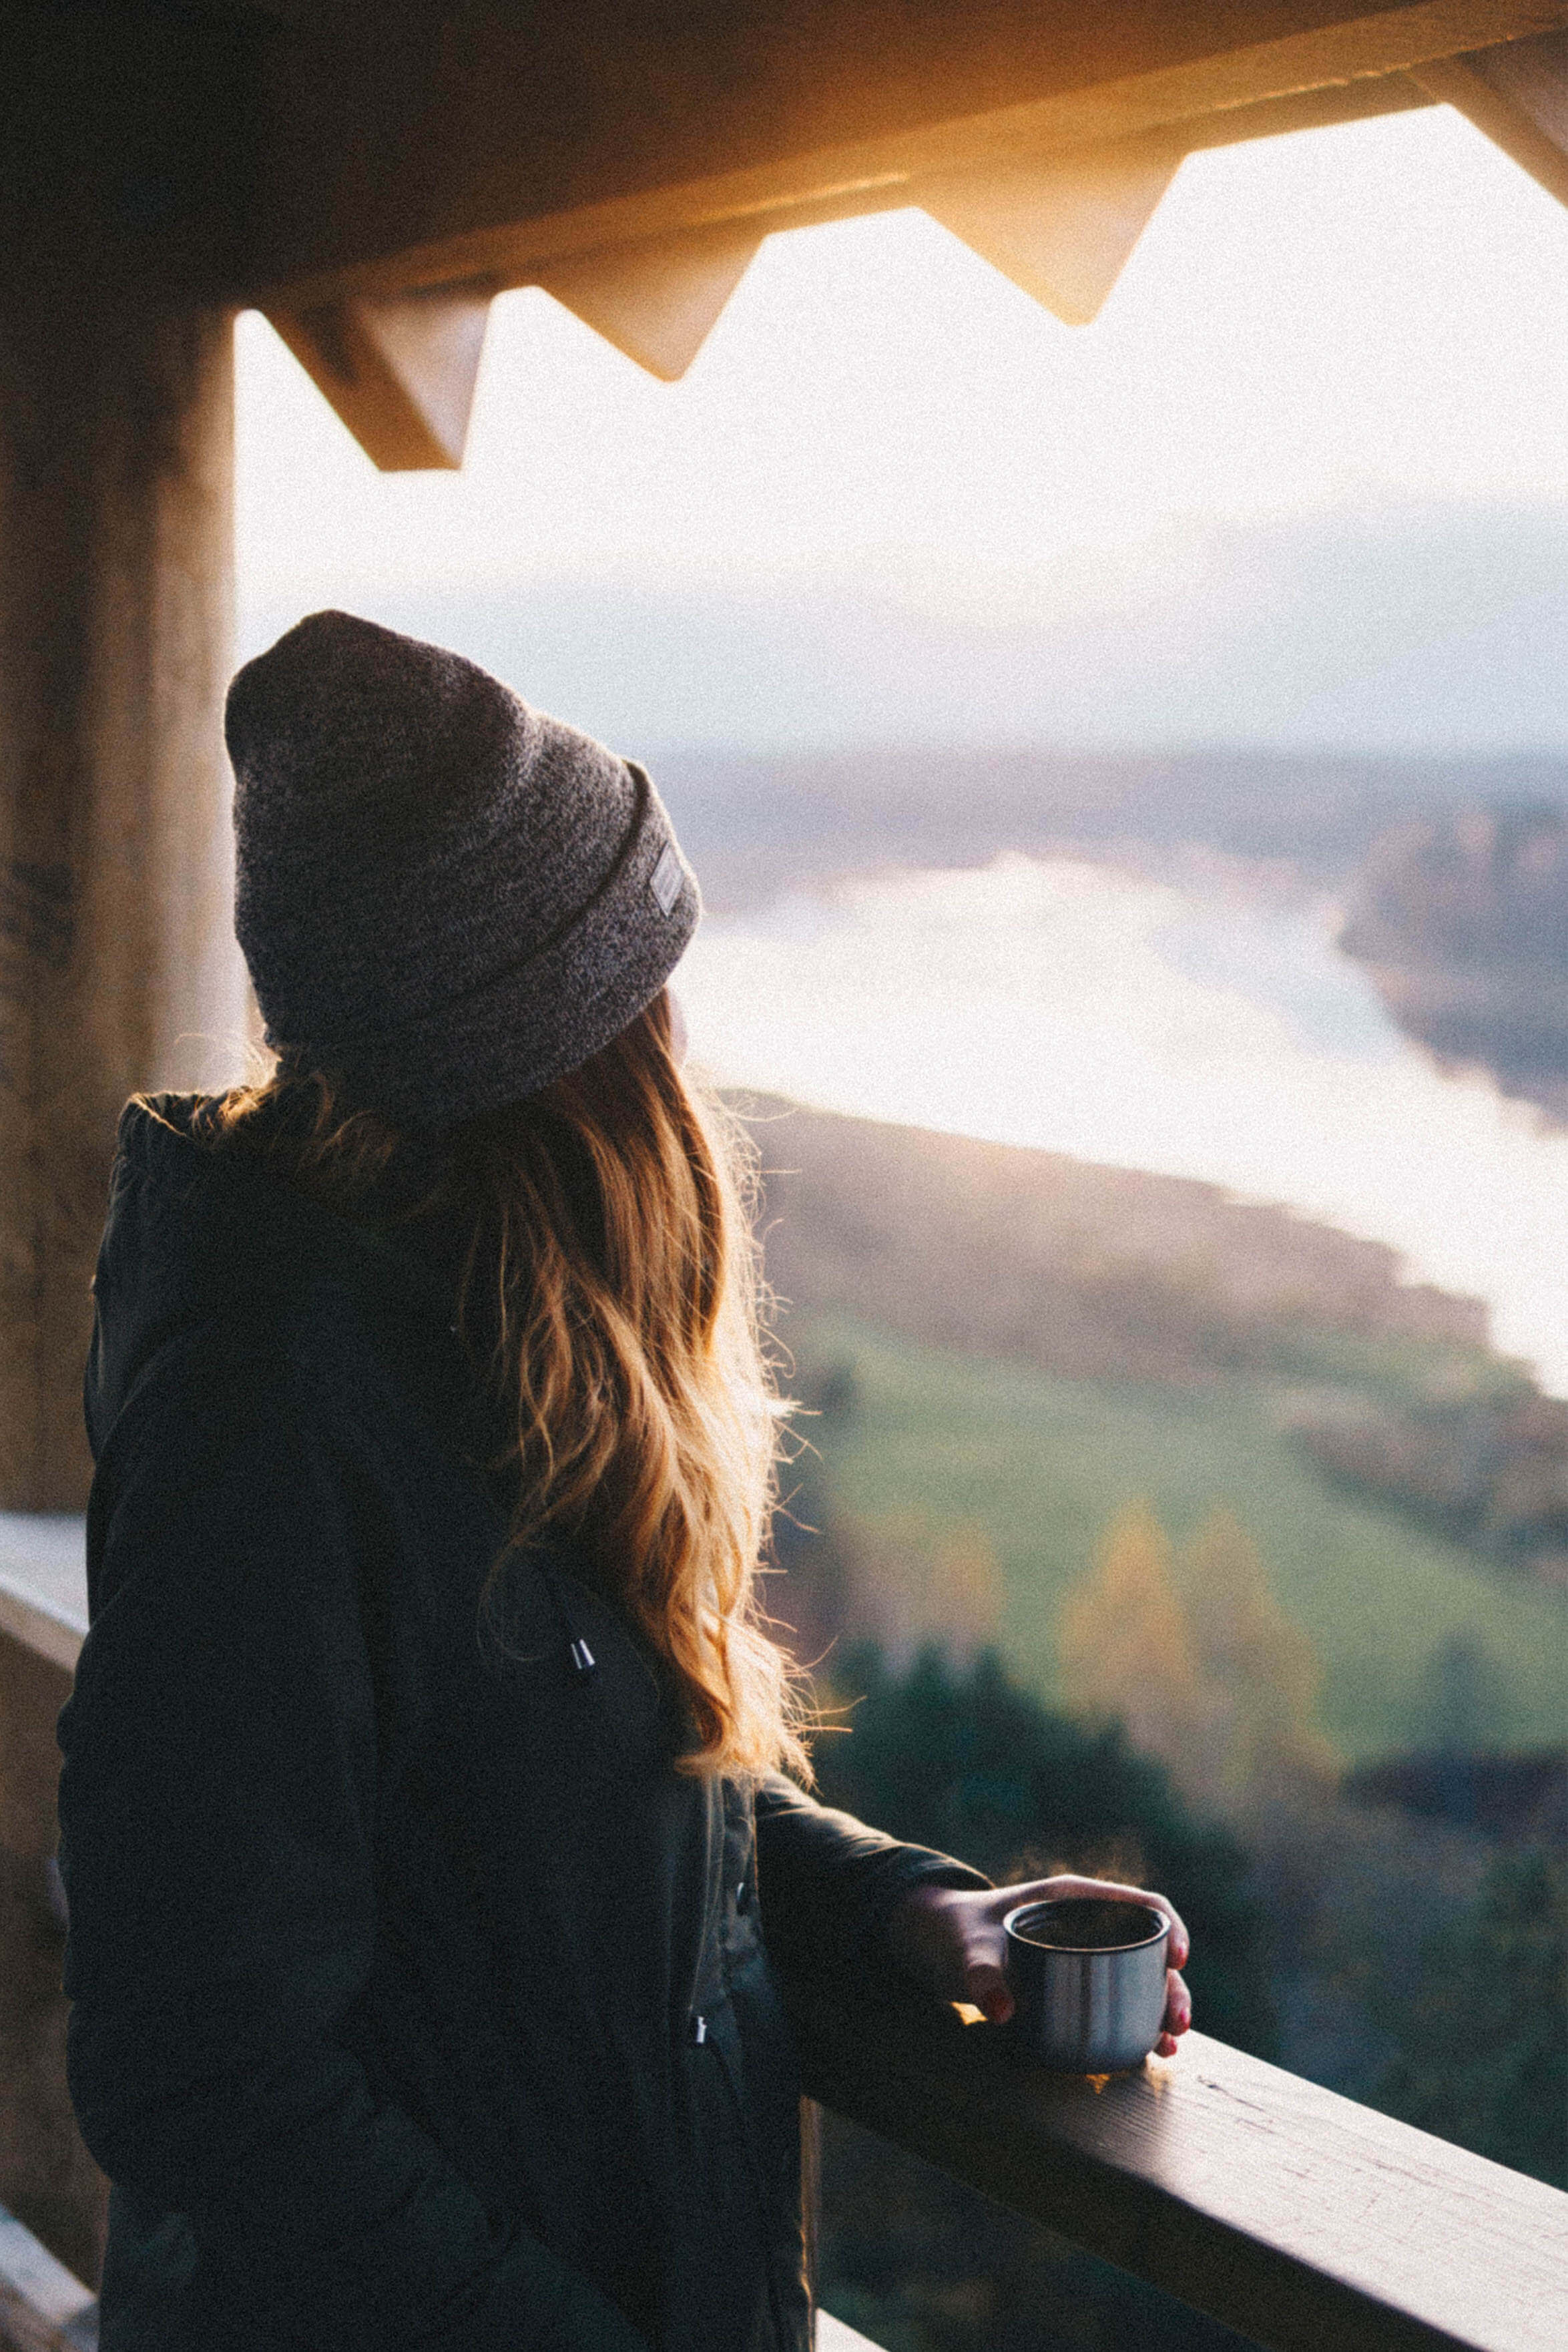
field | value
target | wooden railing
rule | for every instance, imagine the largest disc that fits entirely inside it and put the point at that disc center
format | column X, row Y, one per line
column 46, row 2177
column 44, row 2307
column 1299, row 2218
column 1303, row 2220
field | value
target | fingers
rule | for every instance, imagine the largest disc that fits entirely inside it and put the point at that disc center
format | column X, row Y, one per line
column 1180, row 1944
column 953, row 1941
column 932, row 1936
column 987, row 1989
column 1109, row 1890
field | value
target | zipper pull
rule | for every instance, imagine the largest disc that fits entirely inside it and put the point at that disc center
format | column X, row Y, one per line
column 582, row 1658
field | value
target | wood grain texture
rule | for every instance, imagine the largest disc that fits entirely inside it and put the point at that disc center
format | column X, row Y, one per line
column 1299, row 2218
column 118, row 967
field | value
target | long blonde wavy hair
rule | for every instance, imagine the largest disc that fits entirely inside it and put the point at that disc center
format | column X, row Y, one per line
column 610, row 1296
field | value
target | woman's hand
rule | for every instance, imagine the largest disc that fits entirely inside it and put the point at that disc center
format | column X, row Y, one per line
column 951, row 1939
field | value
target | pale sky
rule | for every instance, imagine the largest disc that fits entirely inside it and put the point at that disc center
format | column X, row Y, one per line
column 1332, row 324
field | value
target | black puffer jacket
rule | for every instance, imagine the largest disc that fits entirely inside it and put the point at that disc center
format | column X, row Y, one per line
column 419, row 2001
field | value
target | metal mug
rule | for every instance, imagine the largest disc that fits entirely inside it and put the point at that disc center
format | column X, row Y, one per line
column 1088, row 1974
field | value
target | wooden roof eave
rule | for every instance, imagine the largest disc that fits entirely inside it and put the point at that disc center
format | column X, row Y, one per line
column 426, row 184
column 409, row 407
column 1054, row 189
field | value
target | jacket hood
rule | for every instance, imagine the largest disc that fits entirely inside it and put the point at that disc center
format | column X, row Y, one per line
column 194, row 1235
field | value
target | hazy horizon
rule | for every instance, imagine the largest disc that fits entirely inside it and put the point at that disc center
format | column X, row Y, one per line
column 1415, row 632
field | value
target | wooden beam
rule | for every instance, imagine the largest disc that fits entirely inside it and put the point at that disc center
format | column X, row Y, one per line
column 400, row 370
column 1294, row 2216
column 1061, row 230
column 1306, row 110
column 657, row 300
column 496, row 149
column 1518, row 95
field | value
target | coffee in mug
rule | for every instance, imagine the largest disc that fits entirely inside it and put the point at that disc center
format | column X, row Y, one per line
column 1088, row 1974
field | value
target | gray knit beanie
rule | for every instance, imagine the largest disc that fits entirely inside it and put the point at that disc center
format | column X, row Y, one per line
column 444, row 897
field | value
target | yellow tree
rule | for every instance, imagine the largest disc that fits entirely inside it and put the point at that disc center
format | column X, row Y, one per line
column 1263, row 1668
column 1127, row 1651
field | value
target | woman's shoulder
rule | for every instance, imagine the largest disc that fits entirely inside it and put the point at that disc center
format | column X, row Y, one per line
column 221, row 1295
column 301, row 1383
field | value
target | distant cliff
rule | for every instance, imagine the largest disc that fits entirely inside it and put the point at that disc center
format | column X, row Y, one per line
column 1462, row 924
column 756, row 826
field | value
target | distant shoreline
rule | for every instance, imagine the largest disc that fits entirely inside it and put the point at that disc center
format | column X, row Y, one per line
column 755, row 828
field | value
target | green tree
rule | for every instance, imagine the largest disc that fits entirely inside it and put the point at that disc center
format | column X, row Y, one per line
column 1466, row 1702
column 1483, row 2057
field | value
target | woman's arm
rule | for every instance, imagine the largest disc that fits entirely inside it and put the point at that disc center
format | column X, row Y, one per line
column 217, row 1807
column 836, row 1894
column 828, row 1886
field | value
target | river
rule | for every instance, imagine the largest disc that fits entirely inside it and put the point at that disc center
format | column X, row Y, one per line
column 1196, row 1028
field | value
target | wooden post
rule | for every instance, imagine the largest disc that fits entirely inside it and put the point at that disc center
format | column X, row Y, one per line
column 123, row 169
column 116, row 957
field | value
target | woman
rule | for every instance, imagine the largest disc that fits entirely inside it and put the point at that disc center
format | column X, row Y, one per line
column 433, row 1809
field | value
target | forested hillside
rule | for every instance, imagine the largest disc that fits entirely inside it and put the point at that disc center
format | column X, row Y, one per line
column 1087, row 1270
column 1005, row 1351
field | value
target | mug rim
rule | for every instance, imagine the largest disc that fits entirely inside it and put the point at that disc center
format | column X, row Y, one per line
column 1045, row 1901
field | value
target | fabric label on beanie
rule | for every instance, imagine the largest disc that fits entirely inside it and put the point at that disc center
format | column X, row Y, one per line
column 666, row 884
